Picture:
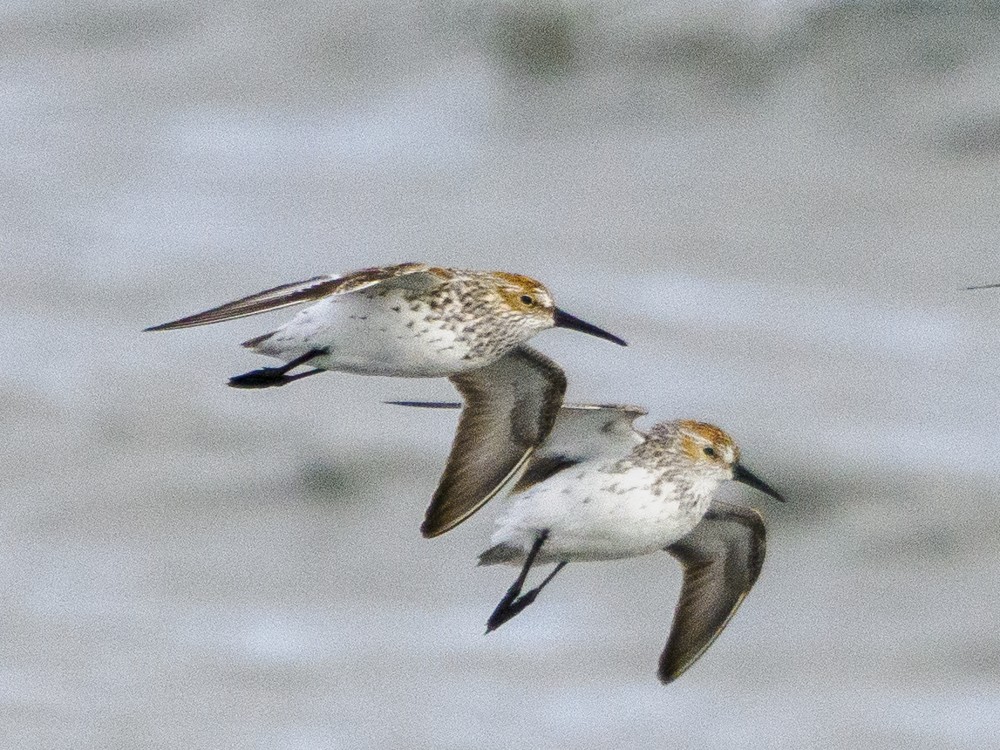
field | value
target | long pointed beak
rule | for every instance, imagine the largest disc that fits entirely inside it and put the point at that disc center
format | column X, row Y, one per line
column 565, row 320
column 742, row 474
column 981, row 286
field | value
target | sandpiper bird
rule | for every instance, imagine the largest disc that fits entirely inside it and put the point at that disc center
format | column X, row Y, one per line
column 416, row 320
column 598, row 489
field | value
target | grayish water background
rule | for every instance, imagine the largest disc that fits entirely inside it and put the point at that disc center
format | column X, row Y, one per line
column 775, row 205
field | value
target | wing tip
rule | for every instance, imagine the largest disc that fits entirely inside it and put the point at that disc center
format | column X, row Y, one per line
column 671, row 667
column 666, row 678
column 190, row 321
column 437, row 519
column 172, row 325
column 426, row 404
column 431, row 528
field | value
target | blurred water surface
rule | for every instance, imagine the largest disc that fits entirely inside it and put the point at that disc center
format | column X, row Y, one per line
column 775, row 203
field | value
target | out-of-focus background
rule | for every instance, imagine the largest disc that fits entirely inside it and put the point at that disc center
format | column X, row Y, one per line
column 776, row 203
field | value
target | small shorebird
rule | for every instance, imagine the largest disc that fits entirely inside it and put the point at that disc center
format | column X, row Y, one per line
column 416, row 320
column 597, row 489
column 407, row 320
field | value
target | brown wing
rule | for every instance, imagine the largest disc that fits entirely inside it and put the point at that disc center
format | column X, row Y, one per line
column 509, row 409
column 722, row 558
column 309, row 290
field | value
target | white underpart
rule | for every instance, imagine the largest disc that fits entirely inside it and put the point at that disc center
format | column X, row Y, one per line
column 593, row 514
column 367, row 335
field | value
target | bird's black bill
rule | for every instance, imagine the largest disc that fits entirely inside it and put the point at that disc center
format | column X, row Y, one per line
column 982, row 286
column 565, row 320
column 745, row 476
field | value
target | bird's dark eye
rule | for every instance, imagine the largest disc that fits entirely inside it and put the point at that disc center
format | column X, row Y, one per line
column 527, row 299
column 709, row 451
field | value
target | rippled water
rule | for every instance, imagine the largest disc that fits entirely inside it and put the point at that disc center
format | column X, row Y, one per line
column 779, row 222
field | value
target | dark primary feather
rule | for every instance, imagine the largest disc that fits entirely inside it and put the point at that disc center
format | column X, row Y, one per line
column 428, row 404
column 270, row 299
column 722, row 558
column 297, row 293
column 509, row 409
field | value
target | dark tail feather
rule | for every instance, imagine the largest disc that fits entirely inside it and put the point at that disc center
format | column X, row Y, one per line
column 501, row 553
column 252, row 343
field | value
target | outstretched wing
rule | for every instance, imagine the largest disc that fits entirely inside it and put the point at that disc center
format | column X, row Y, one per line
column 722, row 558
column 509, row 409
column 581, row 432
column 419, row 275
